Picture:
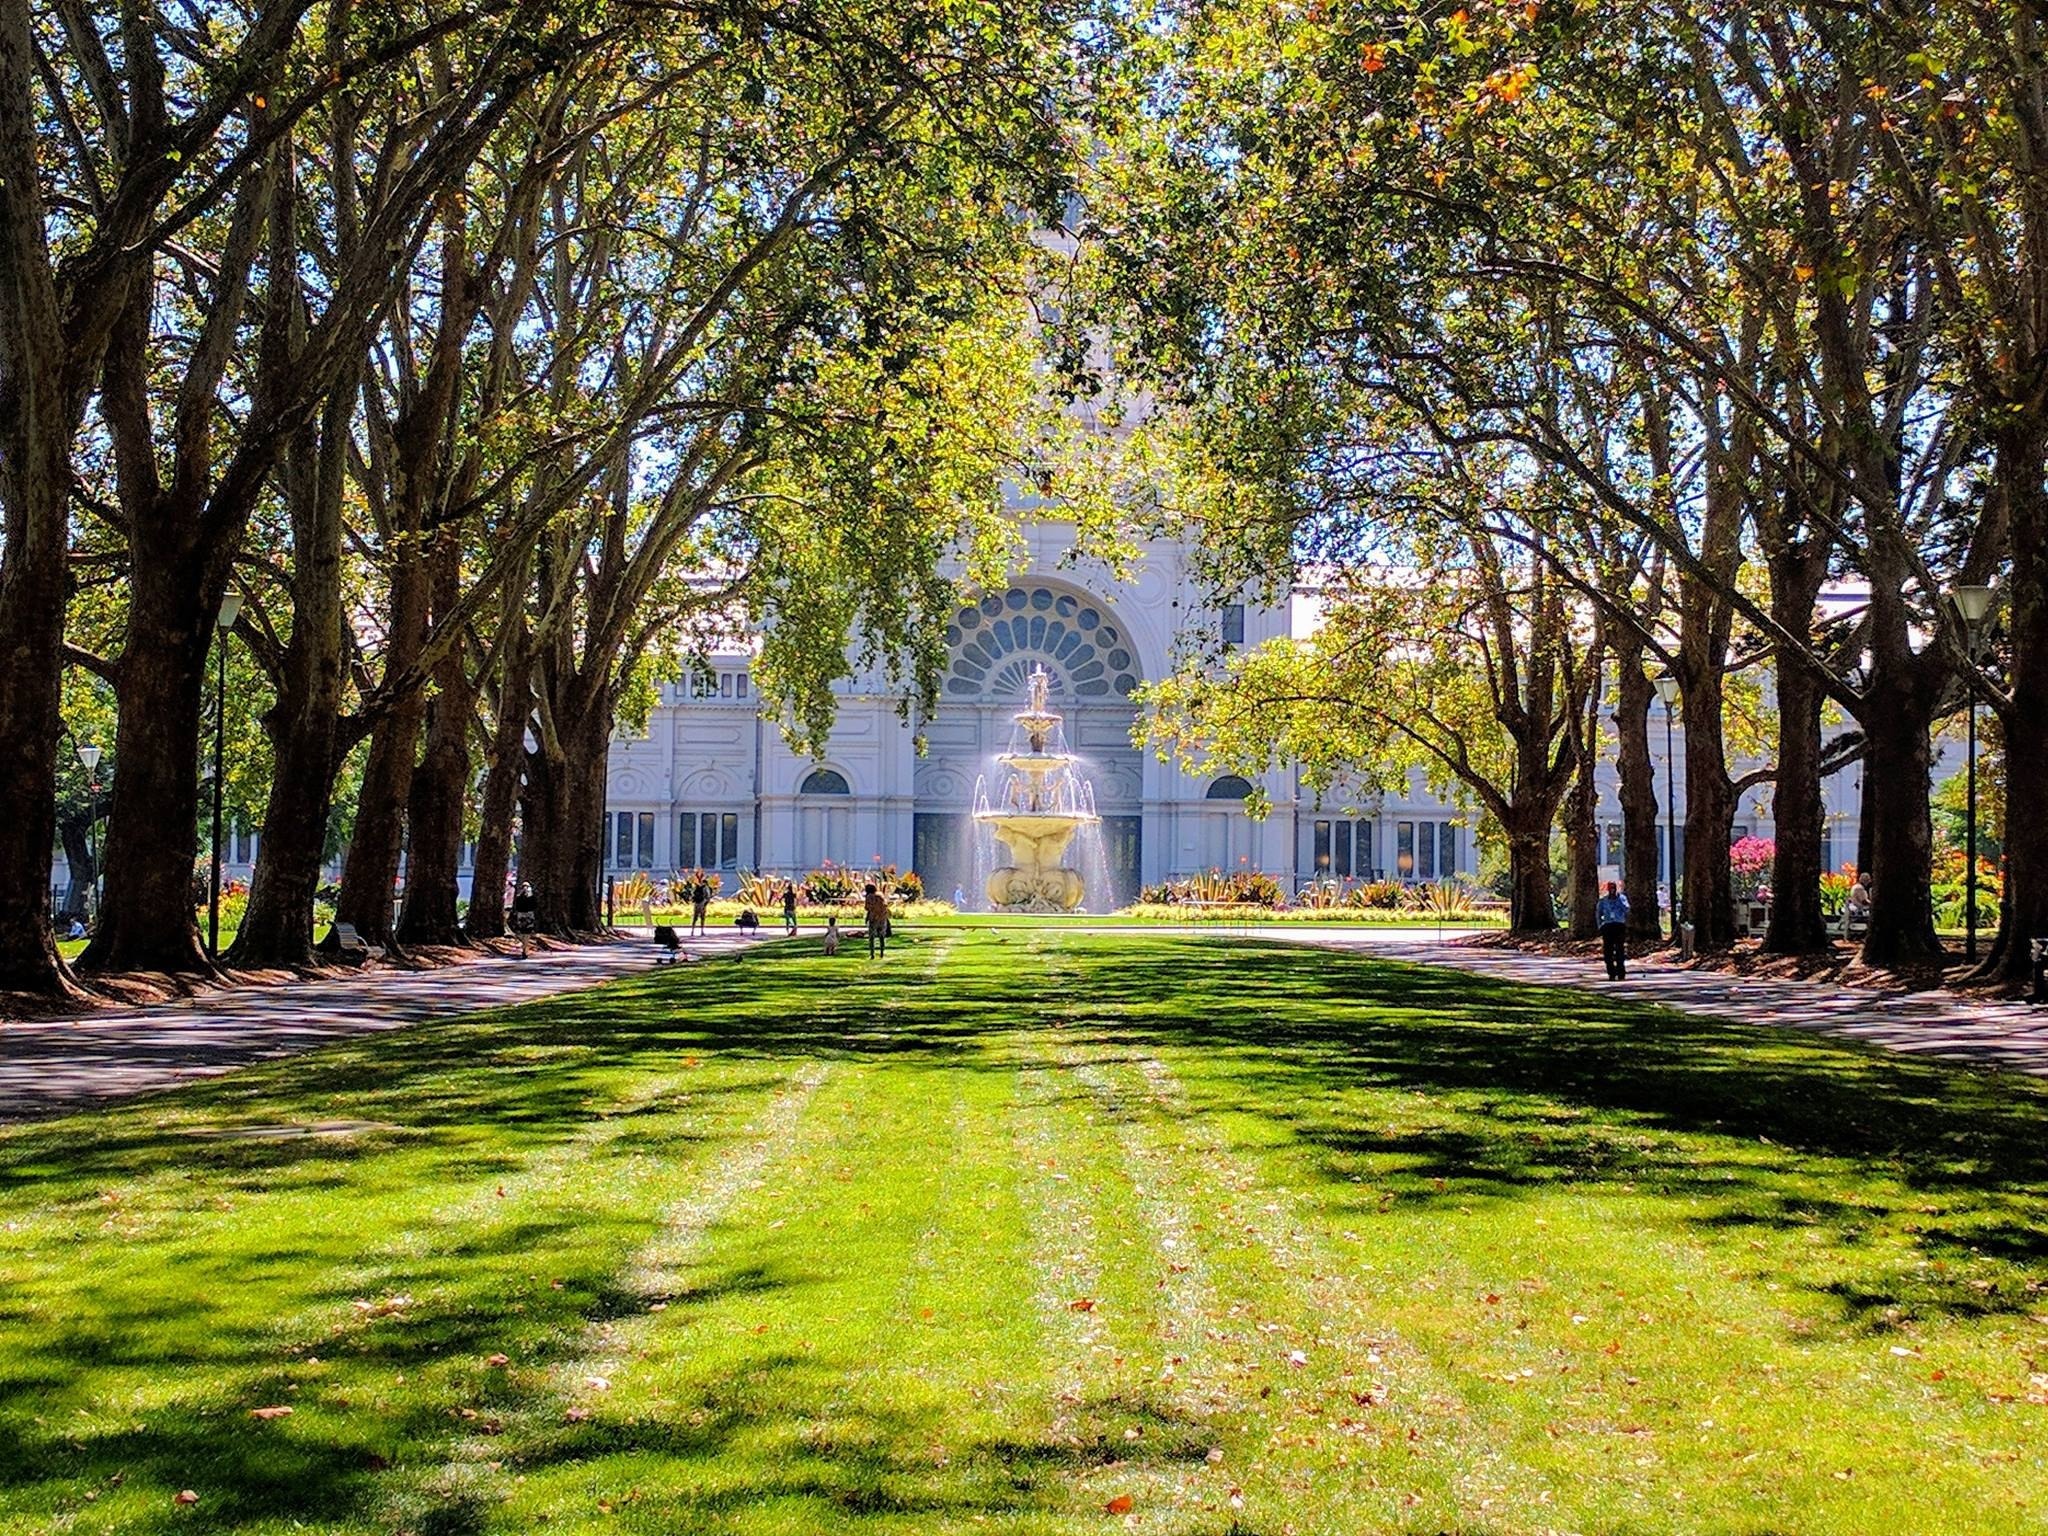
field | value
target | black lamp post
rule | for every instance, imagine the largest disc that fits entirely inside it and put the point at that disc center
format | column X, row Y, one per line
column 1667, row 690
column 230, row 610
column 1971, row 605
column 89, row 760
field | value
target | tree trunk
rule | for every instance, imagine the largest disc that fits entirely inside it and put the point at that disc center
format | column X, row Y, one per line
column 277, row 924
column 438, row 805
column 1709, row 893
column 37, row 425
column 76, row 831
column 1798, row 925
column 1582, row 826
column 2024, row 724
column 32, row 596
column 146, row 922
column 1583, row 836
column 304, row 724
column 1638, row 787
column 1531, row 908
column 1897, row 765
column 369, row 875
column 1866, row 820
column 563, row 822
column 501, row 783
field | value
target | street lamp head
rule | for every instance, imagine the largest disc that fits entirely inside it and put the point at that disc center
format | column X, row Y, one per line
column 230, row 608
column 1971, row 604
column 89, row 758
column 1667, row 689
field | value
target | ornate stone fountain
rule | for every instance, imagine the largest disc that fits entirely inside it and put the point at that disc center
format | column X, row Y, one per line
column 1039, row 804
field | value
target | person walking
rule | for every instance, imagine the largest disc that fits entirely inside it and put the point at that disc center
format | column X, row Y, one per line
column 1612, row 914
column 700, row 907
column 875, row 907
column 789, row 909
column 523, row 909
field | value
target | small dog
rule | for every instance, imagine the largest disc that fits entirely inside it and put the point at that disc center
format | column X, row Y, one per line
column 831, row 935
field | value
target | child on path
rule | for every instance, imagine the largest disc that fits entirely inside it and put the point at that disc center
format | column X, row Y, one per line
column 523, row 908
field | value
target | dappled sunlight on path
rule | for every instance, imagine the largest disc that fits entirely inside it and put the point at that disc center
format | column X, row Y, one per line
column 1984, row 1032
column 53, row 1065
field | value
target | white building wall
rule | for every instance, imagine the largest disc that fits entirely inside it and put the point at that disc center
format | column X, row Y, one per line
column 713, row 754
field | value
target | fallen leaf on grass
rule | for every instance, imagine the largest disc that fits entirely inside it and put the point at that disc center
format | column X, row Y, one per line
column 1120, row 1505
column 270, row 1413
column 187, row 1496
column 1082, row 1304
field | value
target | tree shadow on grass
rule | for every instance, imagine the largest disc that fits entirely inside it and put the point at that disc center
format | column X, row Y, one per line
column 1487, row 1091
column 782, row 1432
column 1528, row 1088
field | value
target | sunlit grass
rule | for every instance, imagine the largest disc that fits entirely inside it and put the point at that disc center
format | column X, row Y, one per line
column 1015, row 1227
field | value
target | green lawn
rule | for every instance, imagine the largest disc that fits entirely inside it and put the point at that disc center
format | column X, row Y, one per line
column 1013, row 1228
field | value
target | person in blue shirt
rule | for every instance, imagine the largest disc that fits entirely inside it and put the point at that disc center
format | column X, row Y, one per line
column 1612, row 914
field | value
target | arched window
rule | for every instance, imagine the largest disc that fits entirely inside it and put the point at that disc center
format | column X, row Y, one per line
column 1230, row 787
column 996, row 641
column 824, row 781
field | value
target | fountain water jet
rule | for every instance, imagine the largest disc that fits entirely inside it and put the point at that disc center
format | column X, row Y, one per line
column 1040, row 803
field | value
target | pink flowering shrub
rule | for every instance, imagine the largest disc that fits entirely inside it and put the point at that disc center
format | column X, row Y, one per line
column 1750, row 861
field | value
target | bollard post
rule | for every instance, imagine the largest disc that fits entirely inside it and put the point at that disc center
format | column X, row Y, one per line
column 1685, row 931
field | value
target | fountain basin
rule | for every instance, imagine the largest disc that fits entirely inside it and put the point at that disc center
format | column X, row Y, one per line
column 1037, row 881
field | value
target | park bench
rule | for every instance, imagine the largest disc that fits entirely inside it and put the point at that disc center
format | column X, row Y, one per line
column 1846, row 925
column 351, row 946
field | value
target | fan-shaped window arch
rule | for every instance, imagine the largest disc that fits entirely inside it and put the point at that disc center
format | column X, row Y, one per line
column 1230, row 787
column 824, row 781
column 997, row 641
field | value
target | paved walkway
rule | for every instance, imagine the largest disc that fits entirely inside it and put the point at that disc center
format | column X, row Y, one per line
column 53, row 1066
column 2009, row 1035
column 50, row 1067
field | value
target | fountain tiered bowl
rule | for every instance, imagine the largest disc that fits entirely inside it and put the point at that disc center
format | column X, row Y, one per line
column 1039, row 806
